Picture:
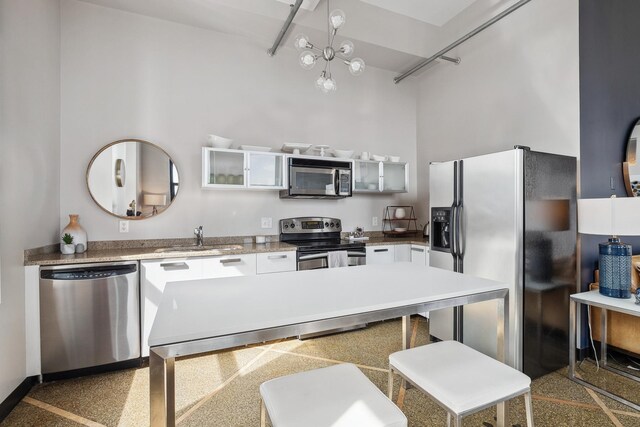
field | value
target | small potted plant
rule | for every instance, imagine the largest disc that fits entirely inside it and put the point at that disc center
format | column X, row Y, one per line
column 67, row 247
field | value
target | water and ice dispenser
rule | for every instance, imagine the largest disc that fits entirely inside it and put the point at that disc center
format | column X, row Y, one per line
column 440, row 238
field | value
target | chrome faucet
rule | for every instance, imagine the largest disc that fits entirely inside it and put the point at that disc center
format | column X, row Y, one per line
column 199, row 235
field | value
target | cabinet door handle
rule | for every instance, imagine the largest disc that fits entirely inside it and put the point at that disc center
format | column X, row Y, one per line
column 175, row 265
column 224, row 262
column 277, row 256
column 417, row 249
column 381, row 250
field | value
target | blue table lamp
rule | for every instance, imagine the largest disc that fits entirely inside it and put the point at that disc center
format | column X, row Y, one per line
column 612, row 217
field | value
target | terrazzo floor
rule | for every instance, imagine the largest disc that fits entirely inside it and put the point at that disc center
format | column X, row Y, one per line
column 221, row 389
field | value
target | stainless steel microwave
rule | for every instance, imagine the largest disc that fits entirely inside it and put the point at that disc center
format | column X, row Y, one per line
column 318, row 179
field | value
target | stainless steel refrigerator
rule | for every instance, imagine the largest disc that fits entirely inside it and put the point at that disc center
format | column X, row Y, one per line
column 509, row 216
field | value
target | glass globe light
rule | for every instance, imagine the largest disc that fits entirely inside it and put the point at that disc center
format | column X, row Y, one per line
column 301, row 41
column 337, row 18
column 347, row 48
column 329, row 85
column 320, row 81
column 307, row 60
column 356, row 66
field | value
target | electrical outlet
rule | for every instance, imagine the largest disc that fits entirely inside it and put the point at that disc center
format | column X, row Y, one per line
column 374, row 221
column 124, row 226
column 266, row 222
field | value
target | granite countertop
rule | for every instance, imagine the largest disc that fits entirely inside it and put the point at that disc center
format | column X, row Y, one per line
column 132, row 250
column 384, row 240
column 139, row 253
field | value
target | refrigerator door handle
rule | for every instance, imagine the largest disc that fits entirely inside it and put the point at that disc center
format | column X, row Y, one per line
column 453, row 236
column 460, row 231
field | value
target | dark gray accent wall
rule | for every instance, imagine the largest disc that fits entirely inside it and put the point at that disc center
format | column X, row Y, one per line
column 609, row 104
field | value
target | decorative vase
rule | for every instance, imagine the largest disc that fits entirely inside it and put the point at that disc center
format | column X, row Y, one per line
column 400, row 213
column 79, row 235
column 67, row 249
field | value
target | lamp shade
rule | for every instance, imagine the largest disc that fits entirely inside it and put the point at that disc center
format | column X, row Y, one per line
column 609, row 217
column 155, row 199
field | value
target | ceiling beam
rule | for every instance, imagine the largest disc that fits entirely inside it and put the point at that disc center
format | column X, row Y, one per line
column 285, row 27
column 458, row 42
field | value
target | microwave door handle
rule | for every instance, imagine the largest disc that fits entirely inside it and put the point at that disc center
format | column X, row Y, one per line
column 336, row 182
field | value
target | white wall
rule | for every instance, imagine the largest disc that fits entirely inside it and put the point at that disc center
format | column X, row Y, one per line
column 518, row 83
column 29, row 176
column 129, row 76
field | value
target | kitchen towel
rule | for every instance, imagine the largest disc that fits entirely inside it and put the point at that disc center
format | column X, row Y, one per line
column 338, row 259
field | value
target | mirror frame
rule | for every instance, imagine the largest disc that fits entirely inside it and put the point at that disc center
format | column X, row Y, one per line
column 106, row 147
column 631, row 157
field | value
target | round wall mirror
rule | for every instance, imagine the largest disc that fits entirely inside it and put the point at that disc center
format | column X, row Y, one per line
column 132, row 179
column 631, row 167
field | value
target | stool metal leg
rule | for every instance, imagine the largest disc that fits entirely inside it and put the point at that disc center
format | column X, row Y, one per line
column 390, row 385
column 529, row 408
column 263, row 414
column 448, row 419
column 458, row 421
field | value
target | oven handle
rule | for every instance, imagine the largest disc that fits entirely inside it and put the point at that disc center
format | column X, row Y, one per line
column 326, row 255
column 313, row 256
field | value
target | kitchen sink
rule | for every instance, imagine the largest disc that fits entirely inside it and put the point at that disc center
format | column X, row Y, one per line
column 194, row 248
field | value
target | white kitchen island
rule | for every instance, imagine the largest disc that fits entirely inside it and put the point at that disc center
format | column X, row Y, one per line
column 207, row 315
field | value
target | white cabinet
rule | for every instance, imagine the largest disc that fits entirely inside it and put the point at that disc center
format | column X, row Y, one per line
column 275, row 262
column 376, row 177
column 228, row 266
column 155, row 274
column 384, row 254
column 402, row 253
column 227, row 168
column 419, row 254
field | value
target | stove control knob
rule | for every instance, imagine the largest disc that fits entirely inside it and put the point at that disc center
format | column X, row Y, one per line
column 286, row 226
column 331, row 225
column 293, row 225
column 338, row 224
column 326, row 224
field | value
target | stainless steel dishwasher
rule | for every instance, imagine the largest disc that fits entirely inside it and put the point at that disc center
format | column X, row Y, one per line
column 89, row 315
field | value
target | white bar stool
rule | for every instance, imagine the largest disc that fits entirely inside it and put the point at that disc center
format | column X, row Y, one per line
column 337, row 396
column 460, row 379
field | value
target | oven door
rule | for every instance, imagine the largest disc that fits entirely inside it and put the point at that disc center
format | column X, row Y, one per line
column 316, row 260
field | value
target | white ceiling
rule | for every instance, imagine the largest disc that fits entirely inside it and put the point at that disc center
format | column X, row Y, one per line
column 435, row 12
column 388, row 34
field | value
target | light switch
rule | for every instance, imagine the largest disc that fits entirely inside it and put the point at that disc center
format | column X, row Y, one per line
column 266, row 222
column 124, row 226
column 374, row 221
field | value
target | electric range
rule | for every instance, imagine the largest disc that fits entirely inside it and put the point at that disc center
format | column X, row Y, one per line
column 315, row 237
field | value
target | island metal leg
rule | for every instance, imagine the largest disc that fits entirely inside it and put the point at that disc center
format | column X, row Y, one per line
column 406, row 342
column 406, row 332
column 162, row 390
column 572, row 339
column 502, row 411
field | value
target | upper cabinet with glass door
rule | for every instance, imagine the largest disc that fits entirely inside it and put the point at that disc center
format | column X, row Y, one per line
column 228, row 168
column 380, row 177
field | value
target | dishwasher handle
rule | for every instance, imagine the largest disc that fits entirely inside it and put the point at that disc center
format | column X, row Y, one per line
column 88, row 272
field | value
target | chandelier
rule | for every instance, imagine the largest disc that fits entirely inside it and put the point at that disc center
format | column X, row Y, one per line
column 311, row 54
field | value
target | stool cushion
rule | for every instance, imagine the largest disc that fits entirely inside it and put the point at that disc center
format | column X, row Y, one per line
column 337, row 396
column 459, row 377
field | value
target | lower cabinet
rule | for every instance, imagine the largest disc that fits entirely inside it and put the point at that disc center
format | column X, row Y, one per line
column 420, row 255
column 383, row 254
column 276, row 262
column 402, row 253
column 155, row 274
